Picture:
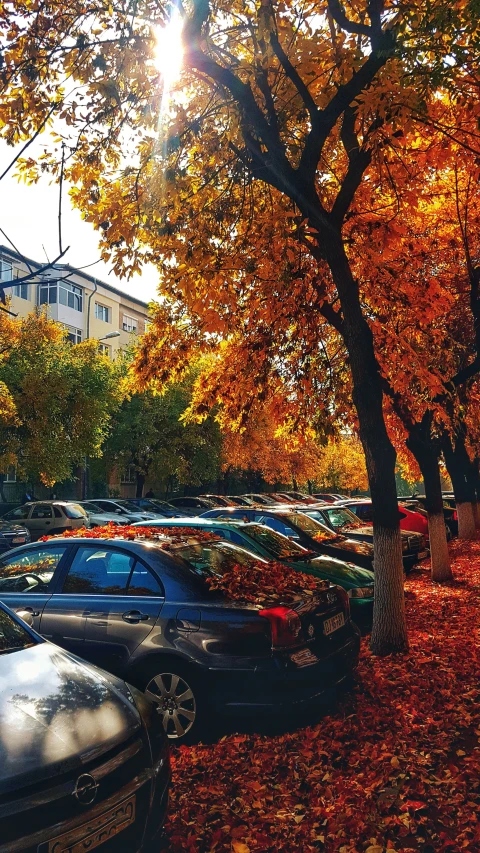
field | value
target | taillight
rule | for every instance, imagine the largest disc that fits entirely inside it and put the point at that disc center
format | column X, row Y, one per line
column 455, row 516
column 342, row 596
column 285, row 625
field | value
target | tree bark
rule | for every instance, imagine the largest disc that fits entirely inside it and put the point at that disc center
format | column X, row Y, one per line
column 458, row 462
column 389, row 632
column 426, row 453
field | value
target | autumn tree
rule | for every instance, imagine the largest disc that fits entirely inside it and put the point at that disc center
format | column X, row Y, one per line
column 248, row 201
column 57, row 398
column 341, row 466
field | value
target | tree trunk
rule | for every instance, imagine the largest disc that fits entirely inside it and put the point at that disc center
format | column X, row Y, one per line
column 140, row 484
column 458, row 462
column 476, row 514
column 419, row 442
column 389, row 631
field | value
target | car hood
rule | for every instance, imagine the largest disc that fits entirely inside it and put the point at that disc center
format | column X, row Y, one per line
column 8, row 527
column 354, row 545
column 346, row 573
column 57, row 713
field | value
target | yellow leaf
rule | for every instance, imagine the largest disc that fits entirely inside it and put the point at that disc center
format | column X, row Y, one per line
column 395, row 762
column 240, row 847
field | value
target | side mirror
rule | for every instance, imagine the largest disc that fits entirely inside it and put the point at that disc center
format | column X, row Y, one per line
column 27, row 616
column 118, row 512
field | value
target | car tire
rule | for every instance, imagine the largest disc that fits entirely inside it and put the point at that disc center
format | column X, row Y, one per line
column 174, row 687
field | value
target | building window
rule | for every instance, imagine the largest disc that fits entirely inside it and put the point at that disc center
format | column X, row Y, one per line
column 11, row 475
column 128, row 475
column 129, row 323
column 73, row 335
column 102, row 312
column 21, row 290
column 104, row 349
column 6, row 270
column 61, row 291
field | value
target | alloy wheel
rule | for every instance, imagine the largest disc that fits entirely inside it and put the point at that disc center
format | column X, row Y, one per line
column 175, row 702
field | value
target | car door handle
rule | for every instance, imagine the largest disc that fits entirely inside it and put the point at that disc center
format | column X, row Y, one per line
column 134, row 616
column 28, row 610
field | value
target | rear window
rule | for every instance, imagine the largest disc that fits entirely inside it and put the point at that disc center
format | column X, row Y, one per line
column 280, row 546
column 216, row 558
column 12, row 636
column 310, row 526
column 74, row 511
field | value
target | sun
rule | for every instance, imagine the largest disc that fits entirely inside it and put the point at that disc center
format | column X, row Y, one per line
column 169, row 49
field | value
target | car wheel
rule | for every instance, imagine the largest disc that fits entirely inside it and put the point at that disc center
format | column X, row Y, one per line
column 174, row 691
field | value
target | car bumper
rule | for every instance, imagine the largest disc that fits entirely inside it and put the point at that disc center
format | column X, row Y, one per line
column 283, row 685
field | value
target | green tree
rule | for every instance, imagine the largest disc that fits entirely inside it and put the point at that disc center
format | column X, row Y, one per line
column 58, row 398
column 149, row 433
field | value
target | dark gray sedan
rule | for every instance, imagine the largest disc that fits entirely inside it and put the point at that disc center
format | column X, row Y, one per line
column 83, row 757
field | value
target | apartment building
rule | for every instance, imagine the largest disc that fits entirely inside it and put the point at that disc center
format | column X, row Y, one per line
column 86, row 306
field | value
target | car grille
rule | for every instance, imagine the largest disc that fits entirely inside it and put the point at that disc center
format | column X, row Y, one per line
column 7, row 538
column 50, row 809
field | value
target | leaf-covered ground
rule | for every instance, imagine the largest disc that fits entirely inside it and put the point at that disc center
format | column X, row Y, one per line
column 395, row 766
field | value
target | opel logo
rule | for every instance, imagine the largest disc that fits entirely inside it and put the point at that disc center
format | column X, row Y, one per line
column 86, row 789
column 331, row 597
column 311, row 630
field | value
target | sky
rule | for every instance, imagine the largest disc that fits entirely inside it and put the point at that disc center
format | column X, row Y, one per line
column 29, row 216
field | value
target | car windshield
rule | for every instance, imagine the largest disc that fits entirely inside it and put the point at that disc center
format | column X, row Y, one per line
column 130, row 506
column 12, row 636
column 341, row 518
column 91, row 507
column 74, row 511
column 279, row 545
column 214, row 558
column 150, row 506
column 310, row 526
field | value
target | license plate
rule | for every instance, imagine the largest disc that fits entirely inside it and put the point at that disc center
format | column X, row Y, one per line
column 18, row 540
column 304, row 658
column 421, row 555
column 97, row 831
column 334, row 623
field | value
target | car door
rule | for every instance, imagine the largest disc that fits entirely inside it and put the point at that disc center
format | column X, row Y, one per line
column 41, row 520
column 104, row 606
column 27, row 578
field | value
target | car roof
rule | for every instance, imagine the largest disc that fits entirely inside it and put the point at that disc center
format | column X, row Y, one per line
column 51, row 503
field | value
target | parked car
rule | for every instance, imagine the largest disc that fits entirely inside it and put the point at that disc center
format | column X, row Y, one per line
column 218, row 500
column 340, row 519
column 83, row 756
column 43, row 518
column 97, row 516
column 263, row 500
column 300, row 497
column 123, row 510
column 409, row 521
column 190, row 506
column 240, row 500
column 270, row 545
column 148, row 616
column 154, row 506
column 299, row 527
column 449, row 510
column 329, row 497
column 12, row 534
